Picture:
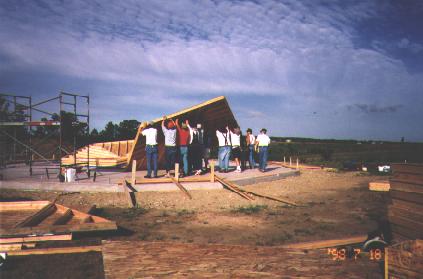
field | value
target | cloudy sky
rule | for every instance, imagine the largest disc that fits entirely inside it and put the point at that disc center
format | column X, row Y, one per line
column 325, row 69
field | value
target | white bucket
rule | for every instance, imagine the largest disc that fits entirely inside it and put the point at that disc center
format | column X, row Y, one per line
column 70, row 175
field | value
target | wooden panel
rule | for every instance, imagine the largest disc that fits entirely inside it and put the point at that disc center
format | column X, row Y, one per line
column 411, row 197
column 406, row 187
column 407, row 168
column 211, row 114
column 137, row 259
column 22, row 205
column 381, row 186
column 405, row 260
column 409, row 178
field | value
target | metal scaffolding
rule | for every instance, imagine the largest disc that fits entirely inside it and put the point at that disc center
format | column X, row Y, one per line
column 17, row 134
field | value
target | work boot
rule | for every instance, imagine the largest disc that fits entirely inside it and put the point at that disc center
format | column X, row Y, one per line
column 147, row 176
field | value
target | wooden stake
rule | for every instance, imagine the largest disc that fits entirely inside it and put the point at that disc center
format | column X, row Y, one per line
column 233, row 188
column 290, row 161
column 134, row 172
column 297, row 164
column 177, row 172
column 212, row 171
column 284, row 160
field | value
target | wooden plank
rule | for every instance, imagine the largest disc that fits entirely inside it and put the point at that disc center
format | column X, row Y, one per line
column 232, row 187
column 409, row 178
column 182, row 188
column 212, row 178
column 380, row 186
column 406, row 196
column 177, row 172
column 405, row 233
column 271, row 198
column 10, row 247
column 22, row 205
column 138, row 259
column 406, row 187
column 126, row 192
column 328, row 243
column 407, row 168
column 413, row 207
column 134, row 172
column 36, row 238
column 405, row 260
column 161, row 180
column 37, row 217
column 64, row 218
column 61, row 250
column 59, row 229
column 409, row 224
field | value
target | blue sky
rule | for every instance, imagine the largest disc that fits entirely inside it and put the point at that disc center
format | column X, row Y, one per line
column 324, row 69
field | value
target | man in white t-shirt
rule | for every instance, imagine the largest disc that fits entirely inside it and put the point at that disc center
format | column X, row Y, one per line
column 151, row 149
column 236, row 147
column 263, row 142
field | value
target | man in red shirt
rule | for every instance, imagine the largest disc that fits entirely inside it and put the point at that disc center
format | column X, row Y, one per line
column 183, row 141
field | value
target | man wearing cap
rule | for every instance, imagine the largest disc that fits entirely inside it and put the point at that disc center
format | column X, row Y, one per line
column 183, row 141
column 263, row 142
column 170, row 144
column 151, row 149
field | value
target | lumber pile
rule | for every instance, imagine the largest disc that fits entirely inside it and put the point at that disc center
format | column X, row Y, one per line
column 138, row 259
column 379, row 186
column 406, row 211
column 103, row 154
column 33, row 221
column 404, row 260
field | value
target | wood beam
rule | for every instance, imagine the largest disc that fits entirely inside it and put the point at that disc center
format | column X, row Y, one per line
column 327, row 243
column 38, row 217
column 61, row 250
column 182, row 188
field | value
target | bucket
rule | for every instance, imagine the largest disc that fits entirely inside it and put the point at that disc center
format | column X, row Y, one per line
column 70, row 175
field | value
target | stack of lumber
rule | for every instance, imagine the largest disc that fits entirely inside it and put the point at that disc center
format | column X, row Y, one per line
column 30, row 221
column 103, row 154
column 404, row 260
column 379, row 186
column 406, row 191
column 138, row 259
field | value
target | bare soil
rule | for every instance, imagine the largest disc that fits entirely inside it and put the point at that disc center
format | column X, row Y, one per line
column 333, row 205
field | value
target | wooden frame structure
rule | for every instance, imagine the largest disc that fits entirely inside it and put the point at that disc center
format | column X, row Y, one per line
column 212, row 114
column 32, row 221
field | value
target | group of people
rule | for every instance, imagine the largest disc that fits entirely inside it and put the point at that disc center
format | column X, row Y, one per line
column 191, row 147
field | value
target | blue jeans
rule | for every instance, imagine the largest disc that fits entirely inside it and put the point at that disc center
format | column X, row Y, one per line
column 224, row 155
column 170, row 157
column 184, row 158
column 152, row 153
column 263, row 150
column 251, row 156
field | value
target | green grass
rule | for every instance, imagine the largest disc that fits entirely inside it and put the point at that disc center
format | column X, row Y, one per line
column 248, row 210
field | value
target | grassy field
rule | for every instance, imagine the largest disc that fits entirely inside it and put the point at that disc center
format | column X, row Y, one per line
column 336, row 153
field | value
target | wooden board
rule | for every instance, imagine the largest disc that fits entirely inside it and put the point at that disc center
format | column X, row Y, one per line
column 405, row 260
column 380, row 186
column 406, row 187
column 137, row 259
column 408, row 168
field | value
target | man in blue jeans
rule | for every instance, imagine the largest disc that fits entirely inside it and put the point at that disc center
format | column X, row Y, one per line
column 169, row 131
column 224, row 139
column 151, row 150
column 263, row 142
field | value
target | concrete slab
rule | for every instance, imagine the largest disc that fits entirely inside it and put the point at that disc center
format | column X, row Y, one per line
column 107, row 181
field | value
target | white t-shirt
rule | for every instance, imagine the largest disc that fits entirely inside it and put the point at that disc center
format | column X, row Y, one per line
column 236, row 139
column 263, row 140
column 150, row 136
column 252, row 139
column 223, row 138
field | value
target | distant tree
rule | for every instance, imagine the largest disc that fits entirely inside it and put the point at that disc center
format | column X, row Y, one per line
column 110, row 132
column 127, row 129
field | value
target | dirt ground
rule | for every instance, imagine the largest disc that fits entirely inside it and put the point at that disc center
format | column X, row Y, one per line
column 333, row 205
